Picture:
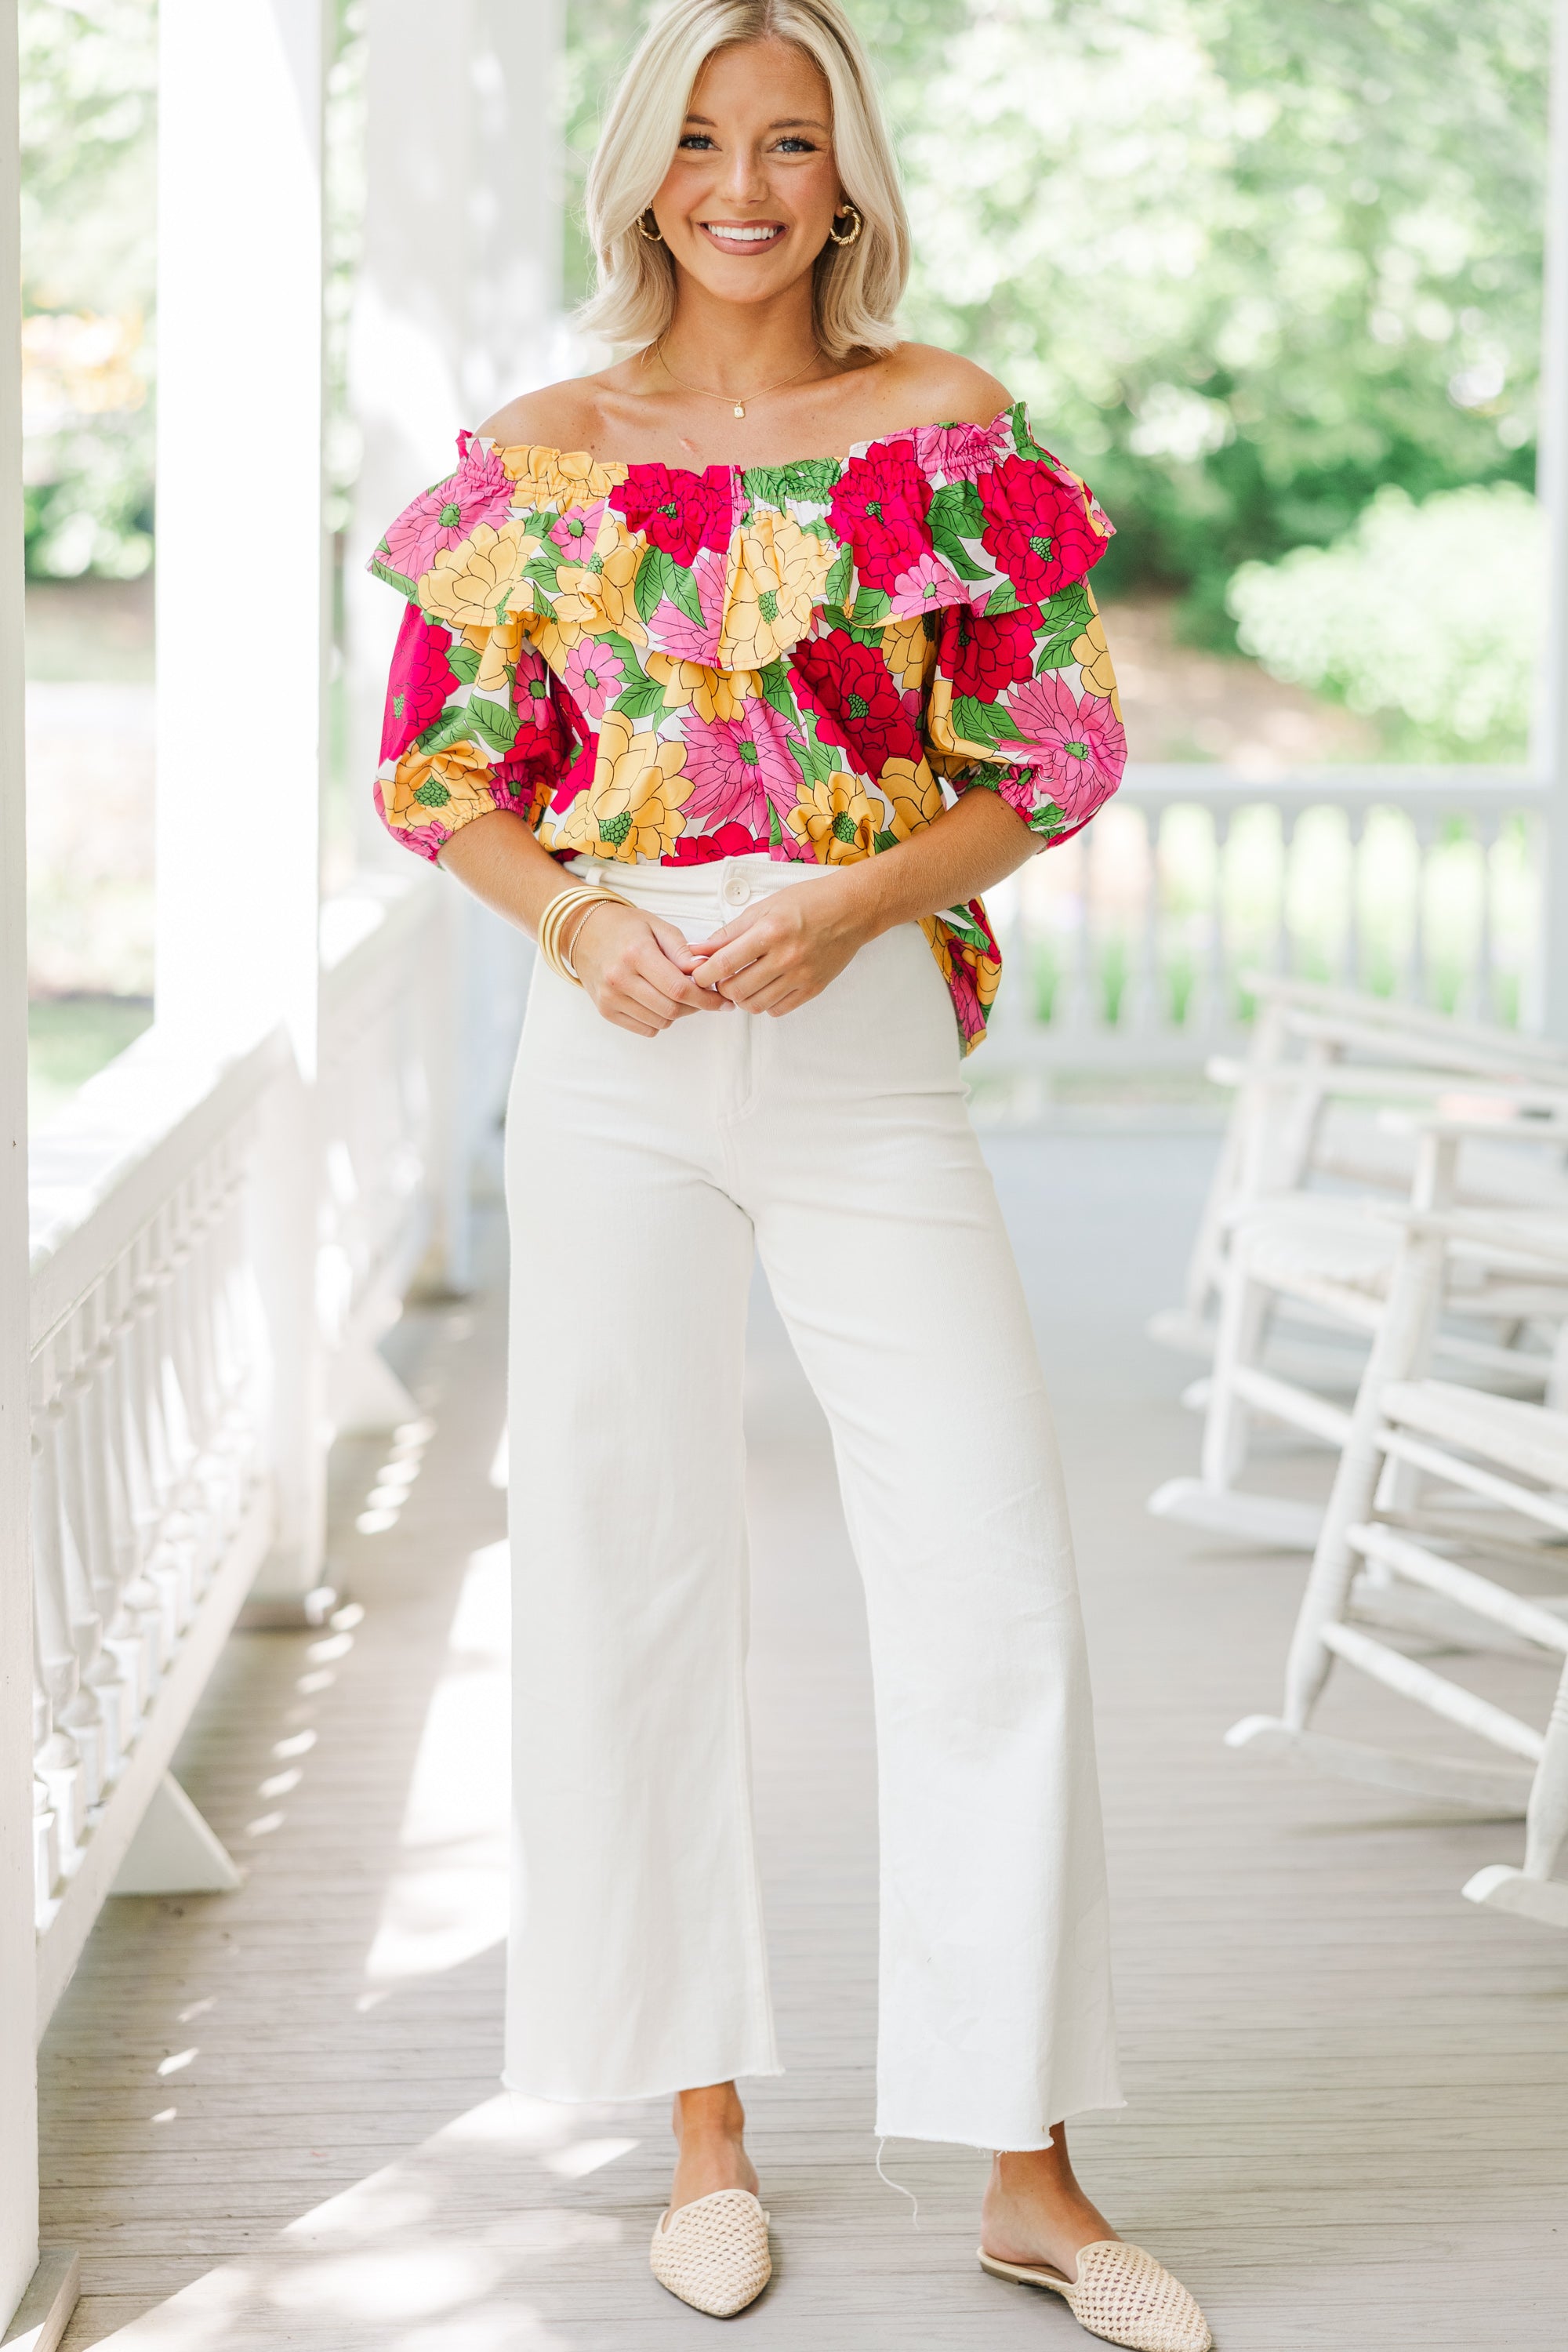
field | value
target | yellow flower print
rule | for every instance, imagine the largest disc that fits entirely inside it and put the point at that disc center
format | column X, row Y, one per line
column 559, row 477
column 600, row 596
column 498, row 647
column 944, row 736
column 906, row 649
column 834, row 820
column 447, row 787
column 914, row 796
column 467, row 583
column 1093, row 656
column 777, row 575
column 632, row 809
column 712, row 693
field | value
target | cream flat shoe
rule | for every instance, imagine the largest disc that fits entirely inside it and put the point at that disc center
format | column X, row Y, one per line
column 713, row 2254
column 1120, row 2295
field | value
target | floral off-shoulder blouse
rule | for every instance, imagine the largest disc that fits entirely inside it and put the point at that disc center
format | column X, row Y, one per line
column 805, row 661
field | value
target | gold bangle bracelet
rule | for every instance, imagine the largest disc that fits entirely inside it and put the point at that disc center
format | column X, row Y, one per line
column 558, row 913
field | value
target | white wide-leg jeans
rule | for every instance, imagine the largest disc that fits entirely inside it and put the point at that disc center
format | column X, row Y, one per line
column 640, row 1175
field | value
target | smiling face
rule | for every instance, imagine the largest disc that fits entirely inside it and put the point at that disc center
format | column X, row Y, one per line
column 747, row 203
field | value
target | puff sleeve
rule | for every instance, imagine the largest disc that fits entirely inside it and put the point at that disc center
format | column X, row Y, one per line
column 474, row 721
column 1023, row 697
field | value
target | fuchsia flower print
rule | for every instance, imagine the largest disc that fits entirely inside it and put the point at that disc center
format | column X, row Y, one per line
column 1036, row 529
column 680, row 511
column 805, row 661
column 419, row 683
column 880, row 507
column 858, row 706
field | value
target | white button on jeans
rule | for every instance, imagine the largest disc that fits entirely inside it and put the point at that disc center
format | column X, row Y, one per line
column 737, row 890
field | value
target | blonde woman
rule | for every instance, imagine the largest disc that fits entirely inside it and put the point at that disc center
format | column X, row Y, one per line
column 734, row 673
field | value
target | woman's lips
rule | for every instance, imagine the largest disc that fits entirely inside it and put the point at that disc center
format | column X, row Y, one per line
column 743, row 236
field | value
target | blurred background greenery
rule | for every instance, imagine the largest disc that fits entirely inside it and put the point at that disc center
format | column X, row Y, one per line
column 1268, row 275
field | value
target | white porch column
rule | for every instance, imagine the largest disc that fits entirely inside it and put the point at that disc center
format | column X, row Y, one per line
column 1551, row 748
column 457, row 310
column 458, row 293
column 18, row 2096
column 240, row 615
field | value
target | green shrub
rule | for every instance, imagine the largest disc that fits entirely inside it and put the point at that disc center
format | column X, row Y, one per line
column 1427, row 617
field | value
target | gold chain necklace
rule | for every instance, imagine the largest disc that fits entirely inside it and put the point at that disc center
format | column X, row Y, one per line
column 738, row 407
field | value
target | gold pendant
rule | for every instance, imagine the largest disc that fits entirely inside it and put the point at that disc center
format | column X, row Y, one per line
column 740, row 409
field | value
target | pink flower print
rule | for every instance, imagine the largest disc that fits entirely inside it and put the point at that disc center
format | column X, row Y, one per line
column 592, row 676
column 575, row 531
column 926, row 584
column 961, row 453
column 740, row 767
column 681, row 637
column 1078, row 748
column 419, row 683
column 530, row 688
column 478, row 492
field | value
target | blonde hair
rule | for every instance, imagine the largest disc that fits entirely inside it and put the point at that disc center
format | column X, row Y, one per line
column 858, row 287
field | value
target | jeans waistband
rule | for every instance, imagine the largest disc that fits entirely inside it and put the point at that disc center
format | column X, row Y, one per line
column 725, row 883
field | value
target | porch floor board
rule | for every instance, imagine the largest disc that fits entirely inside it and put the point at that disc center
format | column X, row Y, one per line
column 1347, row 2123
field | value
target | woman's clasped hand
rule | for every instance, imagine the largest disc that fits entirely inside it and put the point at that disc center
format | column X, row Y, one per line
column 643, row 974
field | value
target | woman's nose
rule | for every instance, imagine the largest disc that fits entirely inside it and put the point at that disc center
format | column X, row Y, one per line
column 745, row 181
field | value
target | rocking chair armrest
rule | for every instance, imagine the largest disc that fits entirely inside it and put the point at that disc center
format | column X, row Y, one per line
column 1488, row 1229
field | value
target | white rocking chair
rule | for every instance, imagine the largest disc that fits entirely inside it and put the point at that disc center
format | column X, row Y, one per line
column 1499, row 1460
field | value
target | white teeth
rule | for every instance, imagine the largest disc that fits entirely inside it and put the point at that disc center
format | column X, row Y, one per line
column 741, row 235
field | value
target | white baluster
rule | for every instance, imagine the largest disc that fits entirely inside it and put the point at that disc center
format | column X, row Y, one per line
column 92, row 1719
column 139, row 1531
column 1219, row 1013
column 1485, row 998
column 56, row 1760
column 88, row 1504
column 1349, row 955
column 1145, row 1011
column 1423, row 825
column 1284, row 944
column 59, row 1660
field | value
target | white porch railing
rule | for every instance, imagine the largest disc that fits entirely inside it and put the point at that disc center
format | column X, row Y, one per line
column 160, row 1306
column 1125, row 945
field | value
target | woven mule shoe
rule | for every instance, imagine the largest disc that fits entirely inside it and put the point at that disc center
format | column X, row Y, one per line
column 1120, row 2295
column 713, row 2254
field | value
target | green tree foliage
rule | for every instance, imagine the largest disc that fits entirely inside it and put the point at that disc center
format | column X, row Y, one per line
column 89, row 76
column 1251, row 261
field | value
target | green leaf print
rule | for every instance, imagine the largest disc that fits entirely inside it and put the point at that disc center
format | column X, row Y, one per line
column 776, row 830
column 774, row 682
column 884, row 840
column 652, row 583
column 871, row 605
column 681, row 590
column 836, row 587
column 1062, row 620
column 811, row 480
column 495, row 723
column 957, row 515
column 1048, row 820
column 382, row 570
column 1002, row 600
column 463, row 661
column 1023, row 440
column 642, row 699
column 456, row 725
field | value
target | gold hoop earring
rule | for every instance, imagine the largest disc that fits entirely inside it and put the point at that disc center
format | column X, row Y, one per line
column 854, row 212
column 655, row 235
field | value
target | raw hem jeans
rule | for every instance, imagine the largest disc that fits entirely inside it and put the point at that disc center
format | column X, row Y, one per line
column 640, row 1175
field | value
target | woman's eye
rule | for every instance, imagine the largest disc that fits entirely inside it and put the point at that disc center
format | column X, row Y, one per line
column 793, row 146
column 696, row 140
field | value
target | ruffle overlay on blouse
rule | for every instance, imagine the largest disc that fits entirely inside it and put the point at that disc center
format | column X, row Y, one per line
column 652, row 662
